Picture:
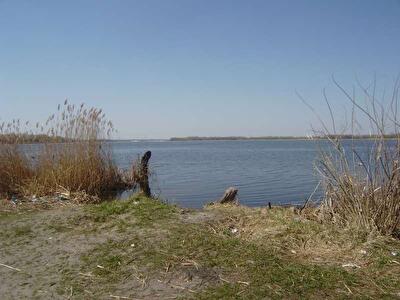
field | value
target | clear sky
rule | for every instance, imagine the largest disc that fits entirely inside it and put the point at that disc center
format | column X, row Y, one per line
column 182, row 67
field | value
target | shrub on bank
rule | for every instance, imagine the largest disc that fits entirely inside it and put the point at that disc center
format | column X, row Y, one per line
column 363, row 190
column 73, row 155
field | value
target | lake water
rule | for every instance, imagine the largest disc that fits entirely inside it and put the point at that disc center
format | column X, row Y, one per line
column 193, row 173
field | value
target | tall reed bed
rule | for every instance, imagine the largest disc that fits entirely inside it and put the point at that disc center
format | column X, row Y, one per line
column 15, row 168
column 73, row 155
column 362, row 184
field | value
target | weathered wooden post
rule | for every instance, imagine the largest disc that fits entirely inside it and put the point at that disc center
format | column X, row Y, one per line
column 143, row 176
column 230, row 196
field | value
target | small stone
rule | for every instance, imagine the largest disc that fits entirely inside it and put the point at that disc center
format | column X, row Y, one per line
column 363, row 252
column 351, row 265
column 14, row 200
column 250, row 262
column 394, row 253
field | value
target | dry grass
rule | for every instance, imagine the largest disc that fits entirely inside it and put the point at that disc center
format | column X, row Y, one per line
column 288, row 233
column 15, row 170
column 73, row 156
column 362, row 188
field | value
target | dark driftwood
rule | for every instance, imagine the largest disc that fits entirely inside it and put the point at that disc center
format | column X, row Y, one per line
column 143, row 175
column 230, row 196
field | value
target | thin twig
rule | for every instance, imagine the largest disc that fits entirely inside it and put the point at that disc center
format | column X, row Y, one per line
column 11, row 268
column 309, row 198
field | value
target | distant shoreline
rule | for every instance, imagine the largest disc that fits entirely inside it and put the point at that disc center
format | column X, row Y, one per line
column 265, row 138
column 46, row 139
column 235, row 138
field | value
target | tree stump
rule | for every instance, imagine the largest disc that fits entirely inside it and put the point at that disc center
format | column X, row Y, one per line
column 230, row 196
column 142, row 174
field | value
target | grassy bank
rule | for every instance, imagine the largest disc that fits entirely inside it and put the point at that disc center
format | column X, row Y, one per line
column 144, row 249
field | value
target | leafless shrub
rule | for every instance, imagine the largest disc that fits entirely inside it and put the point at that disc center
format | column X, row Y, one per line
column 362, row 187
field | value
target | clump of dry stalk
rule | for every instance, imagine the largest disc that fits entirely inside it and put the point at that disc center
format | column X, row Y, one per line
column 362, row 186
column 73, row 155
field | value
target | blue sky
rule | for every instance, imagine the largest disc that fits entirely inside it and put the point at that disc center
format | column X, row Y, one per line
column 183, row 67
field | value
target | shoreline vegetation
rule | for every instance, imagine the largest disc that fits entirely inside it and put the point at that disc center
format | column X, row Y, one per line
column 83, row 170
column 31, row 139
column 43, row 138
column 347, row 246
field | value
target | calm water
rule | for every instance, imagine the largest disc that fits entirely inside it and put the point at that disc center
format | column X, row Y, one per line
column 193, row 173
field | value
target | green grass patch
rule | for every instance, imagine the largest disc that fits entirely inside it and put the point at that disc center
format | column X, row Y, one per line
column 11, row 216
column 253, row 271
column 144, row 210
column 22, row 231
column 150, row 238
column 16, row 232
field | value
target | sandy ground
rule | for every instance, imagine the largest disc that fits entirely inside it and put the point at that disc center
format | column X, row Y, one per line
column 36, row 248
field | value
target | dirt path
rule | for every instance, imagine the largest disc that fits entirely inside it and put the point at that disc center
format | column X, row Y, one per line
column 33, row 244
column 39, row 250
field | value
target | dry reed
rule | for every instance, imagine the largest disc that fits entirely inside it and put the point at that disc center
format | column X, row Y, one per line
column 73, row 155
column 362, row 187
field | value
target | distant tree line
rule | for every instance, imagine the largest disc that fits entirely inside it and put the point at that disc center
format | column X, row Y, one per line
column 233, row 138
column 14, row 138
